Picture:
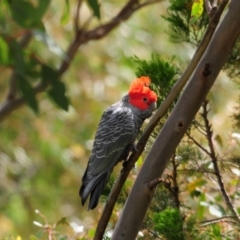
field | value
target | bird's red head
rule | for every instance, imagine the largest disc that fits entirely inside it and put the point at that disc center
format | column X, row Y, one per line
column 140, row 95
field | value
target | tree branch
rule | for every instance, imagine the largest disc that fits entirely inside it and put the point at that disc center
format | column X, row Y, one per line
column 175, row 188
column 181, row 117
column 198, row 144
column 211, row 8
column 175, row 91
column 189, row 70
column 76, row 18
column 215, row 164
column 82, row 36
column 215, row 220
column 154, row 182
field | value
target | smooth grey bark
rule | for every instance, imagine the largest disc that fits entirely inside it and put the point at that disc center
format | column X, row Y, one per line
column 181, row 117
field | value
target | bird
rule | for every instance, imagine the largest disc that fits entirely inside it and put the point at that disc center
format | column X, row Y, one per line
column 116, row 133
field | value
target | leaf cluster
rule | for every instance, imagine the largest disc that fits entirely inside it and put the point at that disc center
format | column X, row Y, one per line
column 182, row 26
column 169, row 223
column 26, row 18
column 163, row 74
column 185, row 27
column 29, row 70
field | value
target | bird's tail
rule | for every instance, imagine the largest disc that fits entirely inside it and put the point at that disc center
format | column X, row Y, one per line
column 94, row 187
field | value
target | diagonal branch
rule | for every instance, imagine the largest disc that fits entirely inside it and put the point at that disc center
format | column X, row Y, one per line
column 211, row 8
column 76, row 18
column 191, row 67
column 175, row 91
column 215, row 163
column 9, row 105
column 175, row 188
column 198, row 144
column 177, row 124
column 216, row 220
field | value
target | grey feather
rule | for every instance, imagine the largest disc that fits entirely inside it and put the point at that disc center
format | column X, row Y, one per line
column 117, row 129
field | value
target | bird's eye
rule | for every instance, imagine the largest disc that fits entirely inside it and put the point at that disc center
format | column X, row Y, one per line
column 145, row 99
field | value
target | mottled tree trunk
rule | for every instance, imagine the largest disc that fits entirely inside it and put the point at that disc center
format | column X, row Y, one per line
column 188, row 105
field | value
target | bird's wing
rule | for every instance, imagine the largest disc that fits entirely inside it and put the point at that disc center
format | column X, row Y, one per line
column 114, row 133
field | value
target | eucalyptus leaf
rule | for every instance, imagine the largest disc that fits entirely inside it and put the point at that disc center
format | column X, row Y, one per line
column 26, row 14
column 28, row 94
column 197, row 10
column 94, row 5
column 58, row 94
column 65, row 17
column 49, row 75
column 4, row 52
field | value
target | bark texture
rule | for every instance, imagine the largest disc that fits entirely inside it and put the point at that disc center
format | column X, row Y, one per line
column 189, row 103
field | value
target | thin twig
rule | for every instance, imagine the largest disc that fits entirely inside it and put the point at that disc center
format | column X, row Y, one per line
column 197, row 170
column 199, row 127
column 175, row 188
column 211, row 8
column 215, row 162
column 198, row 144
column 9, row 106
column 208, row 6
column 155, row 182
column 191, row 67
column 153, row 233
column 76, row 18
column 215, row 220
column 144, row 4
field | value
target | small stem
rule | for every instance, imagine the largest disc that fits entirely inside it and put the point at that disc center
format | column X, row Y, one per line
column 76, row 19
column 154, row 183
column 215, row 220
column 215, row 163
column 175, row 188
column 198, row 144
column 208, row 6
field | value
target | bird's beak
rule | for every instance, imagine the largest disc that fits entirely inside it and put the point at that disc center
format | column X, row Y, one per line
column 153, row 106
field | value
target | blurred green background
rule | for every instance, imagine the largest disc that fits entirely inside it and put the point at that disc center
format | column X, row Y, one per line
column 43, row 156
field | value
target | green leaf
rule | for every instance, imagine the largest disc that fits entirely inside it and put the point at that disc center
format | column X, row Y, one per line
column 216, row 230
column 41, row 9
column 4, row 9
column 197, row 10
column 16, row 53
column 4, row 52
column 57, row 93
column 65, row 17
column 32, row 69
column 28, row 94
column 27, row 15
column 94, row 5
column 49, row 75
column 218, row 139
column 63, row 221
column 169, row 223
column 162, row 74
